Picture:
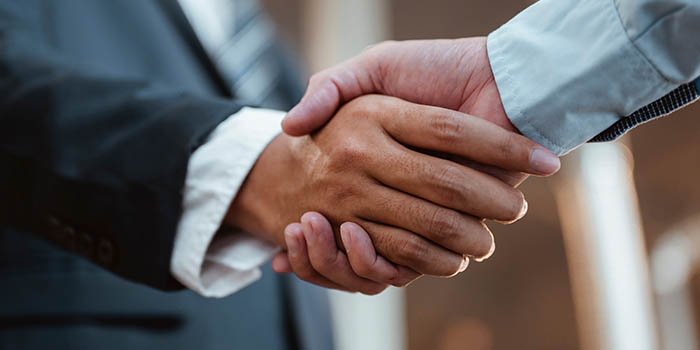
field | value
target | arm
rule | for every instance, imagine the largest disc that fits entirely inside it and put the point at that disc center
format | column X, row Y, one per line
column 96, row 163
column 354, row 171
column 105, row 159
column 585, row 97
column 563, row 71
column 209, row 258
column 599, row 63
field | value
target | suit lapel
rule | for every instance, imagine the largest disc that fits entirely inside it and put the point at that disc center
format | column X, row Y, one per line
column 174, row 13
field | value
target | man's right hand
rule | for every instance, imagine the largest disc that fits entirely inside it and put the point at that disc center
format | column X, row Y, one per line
column 366, row 166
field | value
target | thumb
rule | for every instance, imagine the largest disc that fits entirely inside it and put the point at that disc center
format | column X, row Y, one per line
column 316, row 107
column 329, row 89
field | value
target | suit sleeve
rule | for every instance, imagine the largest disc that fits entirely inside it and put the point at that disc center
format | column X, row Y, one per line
column 569, row 71
column 95, row 163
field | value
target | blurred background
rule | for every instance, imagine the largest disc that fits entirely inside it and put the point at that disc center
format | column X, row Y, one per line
column 605, row 257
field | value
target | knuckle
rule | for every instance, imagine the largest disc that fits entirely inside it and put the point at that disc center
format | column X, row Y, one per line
column 348, row 153
column 450, row 184
column 507, row 146
column 443, row 225
column 343, row 193
column 446, row 129
column 413, row 249
column 364, row 106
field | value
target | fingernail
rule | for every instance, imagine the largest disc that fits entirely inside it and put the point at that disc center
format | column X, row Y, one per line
column 289, row 121
column 289, row 115
column 346, row 237
column 291, row 239
column 275, row 264
column 309, row 233
column 523, row 211
column 544, row 161
column 465, row 264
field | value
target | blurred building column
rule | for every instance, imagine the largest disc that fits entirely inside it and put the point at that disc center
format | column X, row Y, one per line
column 674, row 259
column 604, row 242
column 335, row 30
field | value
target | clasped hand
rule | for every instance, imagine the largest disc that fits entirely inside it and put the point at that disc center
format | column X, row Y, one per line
column 391, row 181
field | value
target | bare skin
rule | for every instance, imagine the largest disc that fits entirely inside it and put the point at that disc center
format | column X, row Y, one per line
column 453, row 74
column 423, row 213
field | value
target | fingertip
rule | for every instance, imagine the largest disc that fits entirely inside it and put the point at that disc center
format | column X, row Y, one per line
column 544, row 162
column 317, row 106
column 304, row 118
column 308, row 216
column 349, row 226
column 517, row 217
column 488, row 255
column 292, row 124
column 286, row 127
column 360, row 237
column 293, row 230
column 464, row 265
column 316, row 218
column 307, row 229
column 280, row 263
column 353, row 229
column 292, row 235
column 318, row 225
column 345, row 236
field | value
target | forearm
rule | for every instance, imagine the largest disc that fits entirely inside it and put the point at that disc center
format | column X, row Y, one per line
column 96, row 158
column 212, row 256
column 567, row 70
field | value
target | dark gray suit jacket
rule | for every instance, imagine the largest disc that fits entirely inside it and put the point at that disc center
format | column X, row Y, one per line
column 101, row 104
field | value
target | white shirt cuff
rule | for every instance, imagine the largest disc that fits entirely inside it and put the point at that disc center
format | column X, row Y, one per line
column 207, row 260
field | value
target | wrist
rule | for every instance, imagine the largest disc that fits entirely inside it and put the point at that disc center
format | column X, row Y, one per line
column 253, row 209
column 484, row 99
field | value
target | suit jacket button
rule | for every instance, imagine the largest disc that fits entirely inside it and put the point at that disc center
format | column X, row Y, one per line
column 86, row 244
column 105, row 251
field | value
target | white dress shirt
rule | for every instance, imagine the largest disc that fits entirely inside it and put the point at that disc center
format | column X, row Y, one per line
column 210, row 261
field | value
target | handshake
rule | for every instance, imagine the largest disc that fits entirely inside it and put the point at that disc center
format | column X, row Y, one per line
column 406, row 151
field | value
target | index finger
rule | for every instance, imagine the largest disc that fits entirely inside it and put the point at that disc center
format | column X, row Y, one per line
column 448, row 131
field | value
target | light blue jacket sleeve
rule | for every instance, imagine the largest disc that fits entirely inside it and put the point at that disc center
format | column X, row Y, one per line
column 571, row 70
